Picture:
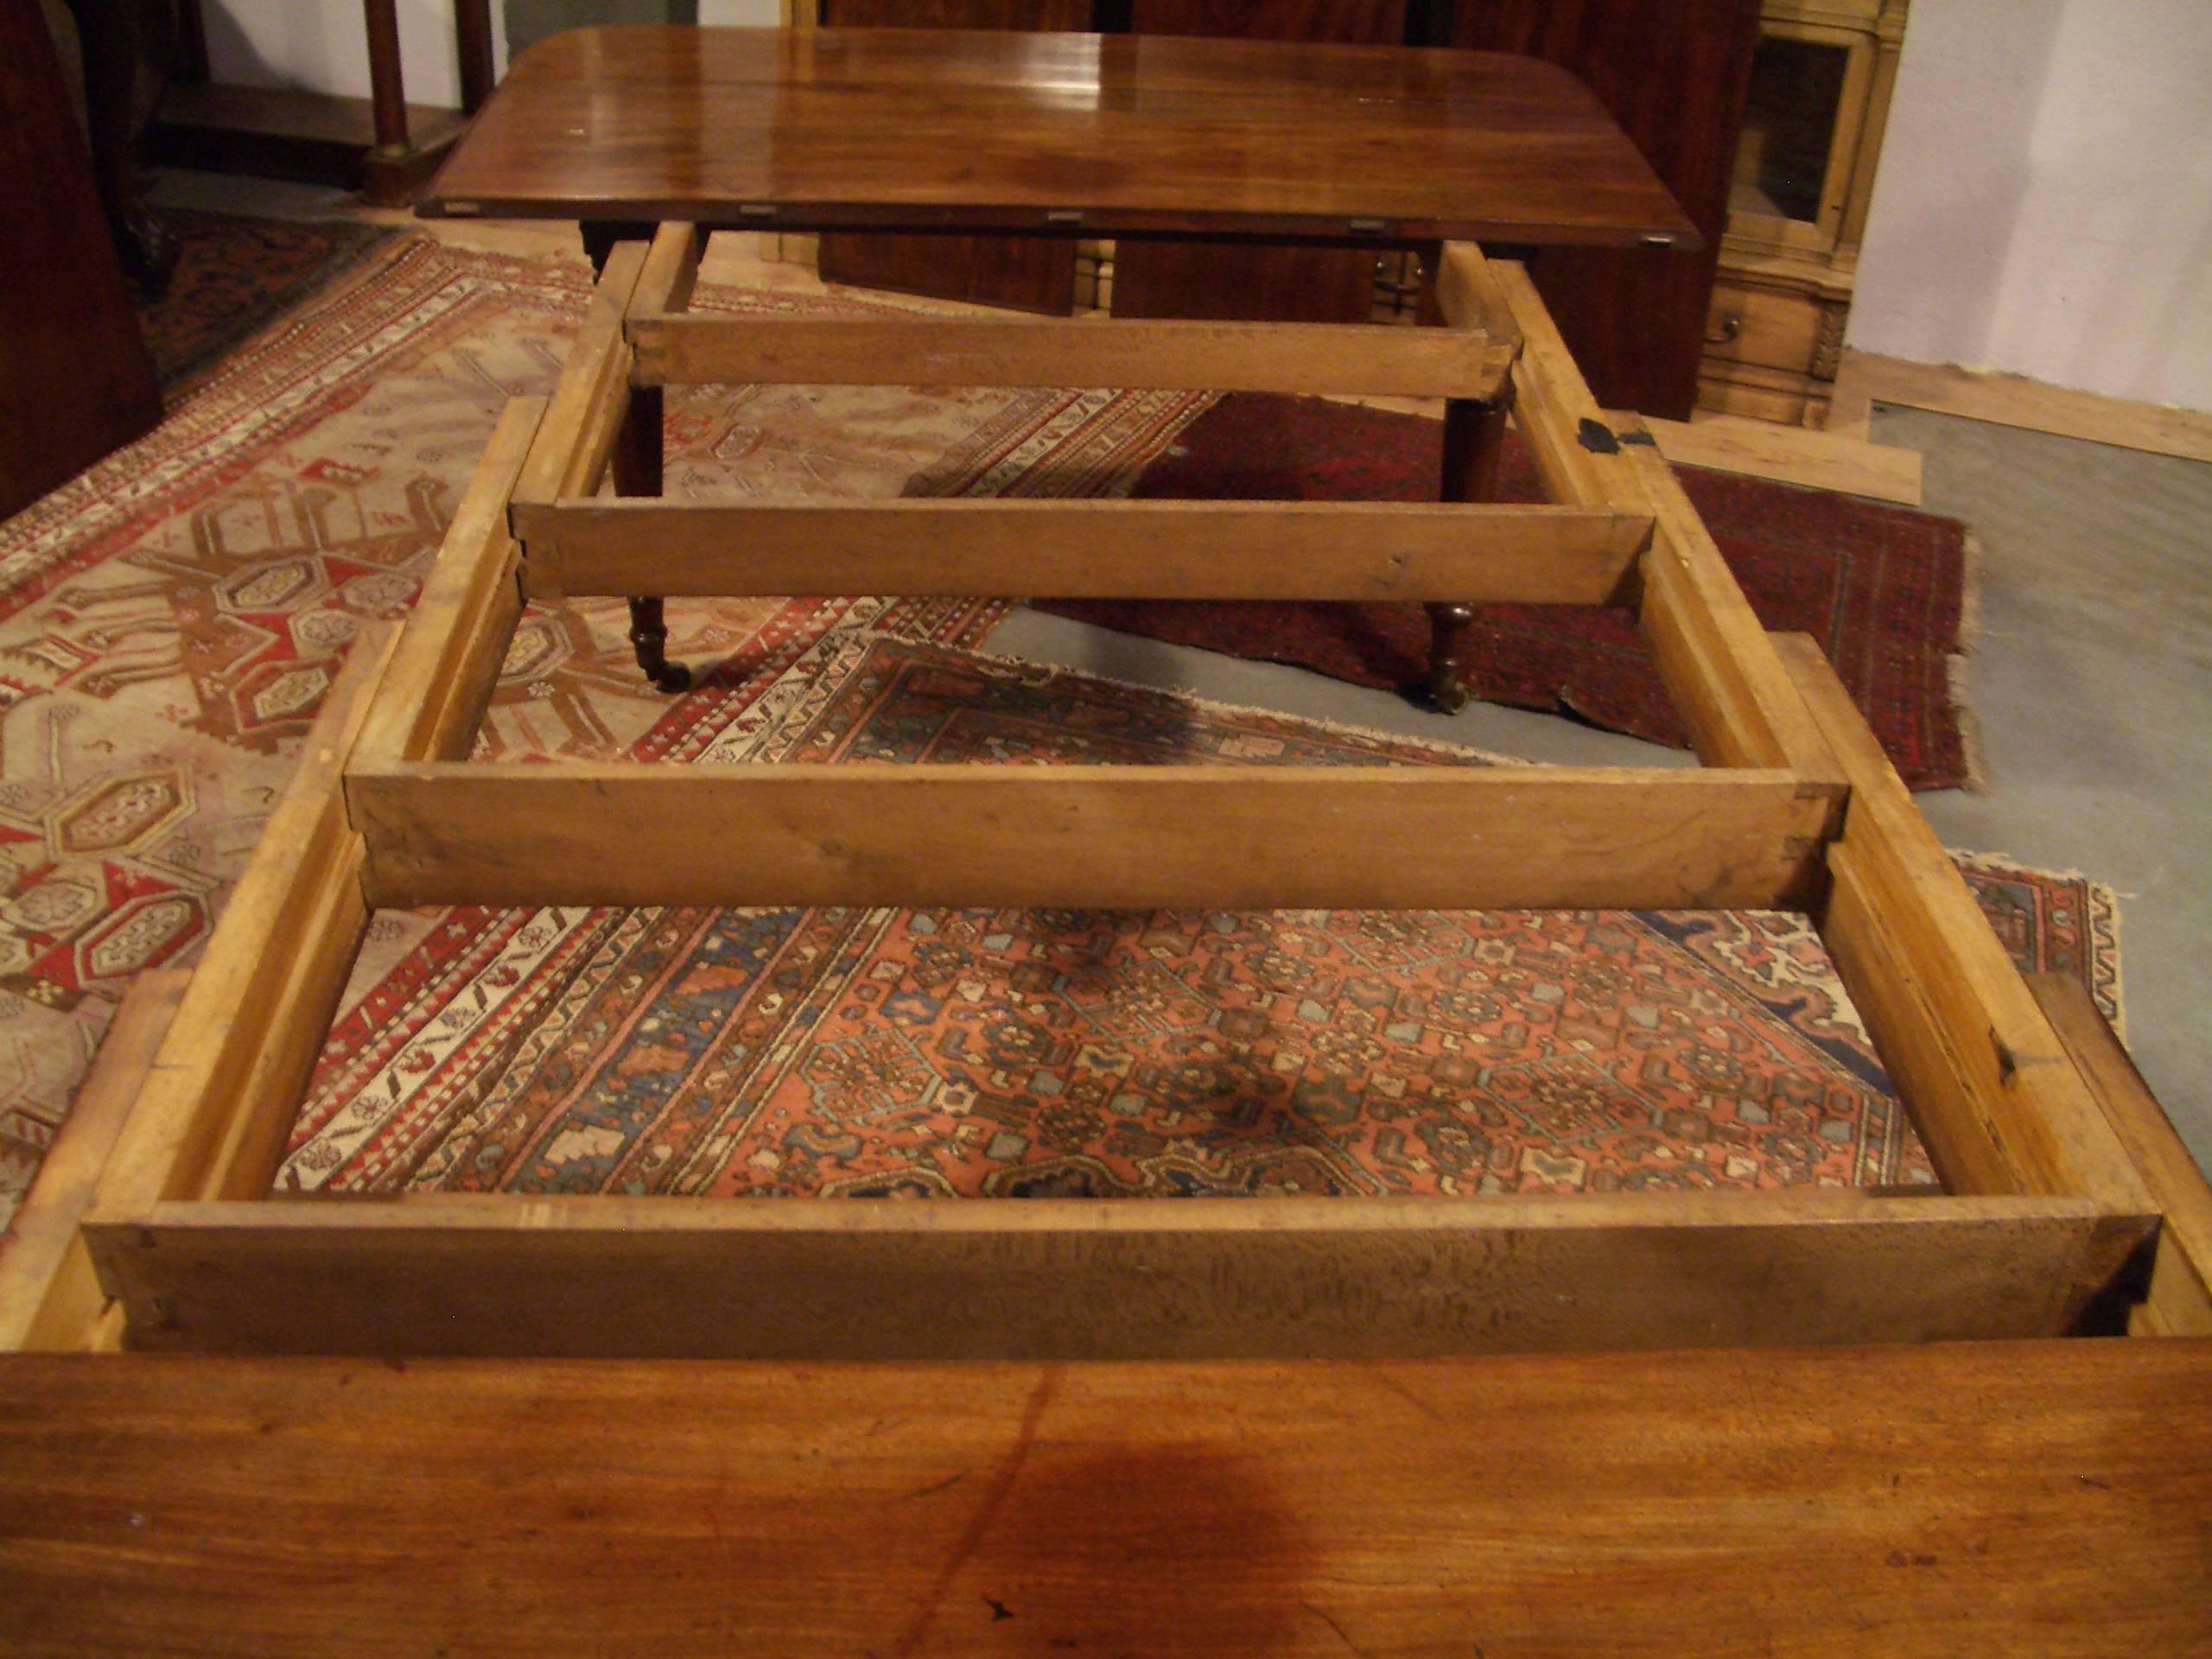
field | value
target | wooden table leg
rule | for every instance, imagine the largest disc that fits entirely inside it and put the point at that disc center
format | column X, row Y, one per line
column 1474, row 440
column 637, row 465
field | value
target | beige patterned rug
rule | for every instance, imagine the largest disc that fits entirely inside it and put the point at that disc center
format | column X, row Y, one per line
column 170, row 619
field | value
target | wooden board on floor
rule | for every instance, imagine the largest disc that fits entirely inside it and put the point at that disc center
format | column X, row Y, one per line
column 1914, row 1503
column 1114, row 837
column 1792, row 454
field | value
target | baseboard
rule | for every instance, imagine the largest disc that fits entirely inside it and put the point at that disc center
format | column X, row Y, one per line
column 2014, row 400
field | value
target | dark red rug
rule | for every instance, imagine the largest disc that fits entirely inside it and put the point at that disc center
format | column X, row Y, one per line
column 235, row 274
column 1882, row 588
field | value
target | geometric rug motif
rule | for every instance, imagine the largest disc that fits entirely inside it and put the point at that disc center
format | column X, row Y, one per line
column 1018, row 1053
column 171, row 618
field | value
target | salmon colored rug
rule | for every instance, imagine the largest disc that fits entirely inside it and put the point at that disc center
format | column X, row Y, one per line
column 1051, row 1052
column 1883, row 588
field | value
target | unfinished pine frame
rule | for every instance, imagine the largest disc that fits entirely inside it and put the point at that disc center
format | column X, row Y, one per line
column 2043, row 1226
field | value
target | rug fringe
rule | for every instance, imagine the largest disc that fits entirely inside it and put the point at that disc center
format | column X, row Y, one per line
column 1959, row 665
column 2103, row 930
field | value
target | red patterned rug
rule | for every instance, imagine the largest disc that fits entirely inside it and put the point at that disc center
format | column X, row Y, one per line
column 1882, row 588
column 1020, row 1053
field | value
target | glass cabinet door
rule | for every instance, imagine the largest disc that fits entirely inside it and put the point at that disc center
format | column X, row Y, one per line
column 1793, row 163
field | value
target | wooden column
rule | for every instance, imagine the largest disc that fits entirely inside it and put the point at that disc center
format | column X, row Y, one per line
column 387, row 89
column 637, row 466
column 472, row 23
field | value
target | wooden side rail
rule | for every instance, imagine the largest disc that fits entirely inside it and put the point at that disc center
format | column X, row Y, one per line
column 576, row 437
column 212, row 1119
column 2179, row 1302
column 1074, row 549
column 1121, row 837
column 428, row 704
column 1996, row 1097
column 50, row 1296
column 1331, row 1278
column 1376, row 359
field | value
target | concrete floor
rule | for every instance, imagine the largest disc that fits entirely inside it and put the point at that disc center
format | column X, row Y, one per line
column 2092, row 681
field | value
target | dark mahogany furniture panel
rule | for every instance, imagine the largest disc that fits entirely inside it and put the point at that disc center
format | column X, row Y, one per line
column 1066, row 135
column 1028, row 273
column 76, row 380
column 1676, row 74
column 1227, row 279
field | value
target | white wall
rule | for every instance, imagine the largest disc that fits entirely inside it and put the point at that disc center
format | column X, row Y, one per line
column 2045, row 205
column 320, row 45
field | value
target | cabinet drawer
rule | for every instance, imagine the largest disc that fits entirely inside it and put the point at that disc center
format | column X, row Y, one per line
column 1768, row 326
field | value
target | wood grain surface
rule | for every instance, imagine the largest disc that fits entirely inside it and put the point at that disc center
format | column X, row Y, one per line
column 1676, row 74
column 582, row 1276
column 1030, row 273
column 76, row 380
column 1228, row 279
column 1056, row 133
column 1222, row 837
column 1402, row 550
column 2003, row 1499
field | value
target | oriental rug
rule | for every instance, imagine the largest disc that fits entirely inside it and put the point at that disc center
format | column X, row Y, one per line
column 1041, row 1052
column 1883, row 588
column 235, row 275
column 170, row 619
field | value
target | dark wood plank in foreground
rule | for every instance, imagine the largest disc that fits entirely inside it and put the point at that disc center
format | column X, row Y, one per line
column 850, row 128
column 2050, row 1498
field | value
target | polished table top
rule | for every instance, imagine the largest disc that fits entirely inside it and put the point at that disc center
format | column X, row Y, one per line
column 1061, row 134
column 1918, row 1502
